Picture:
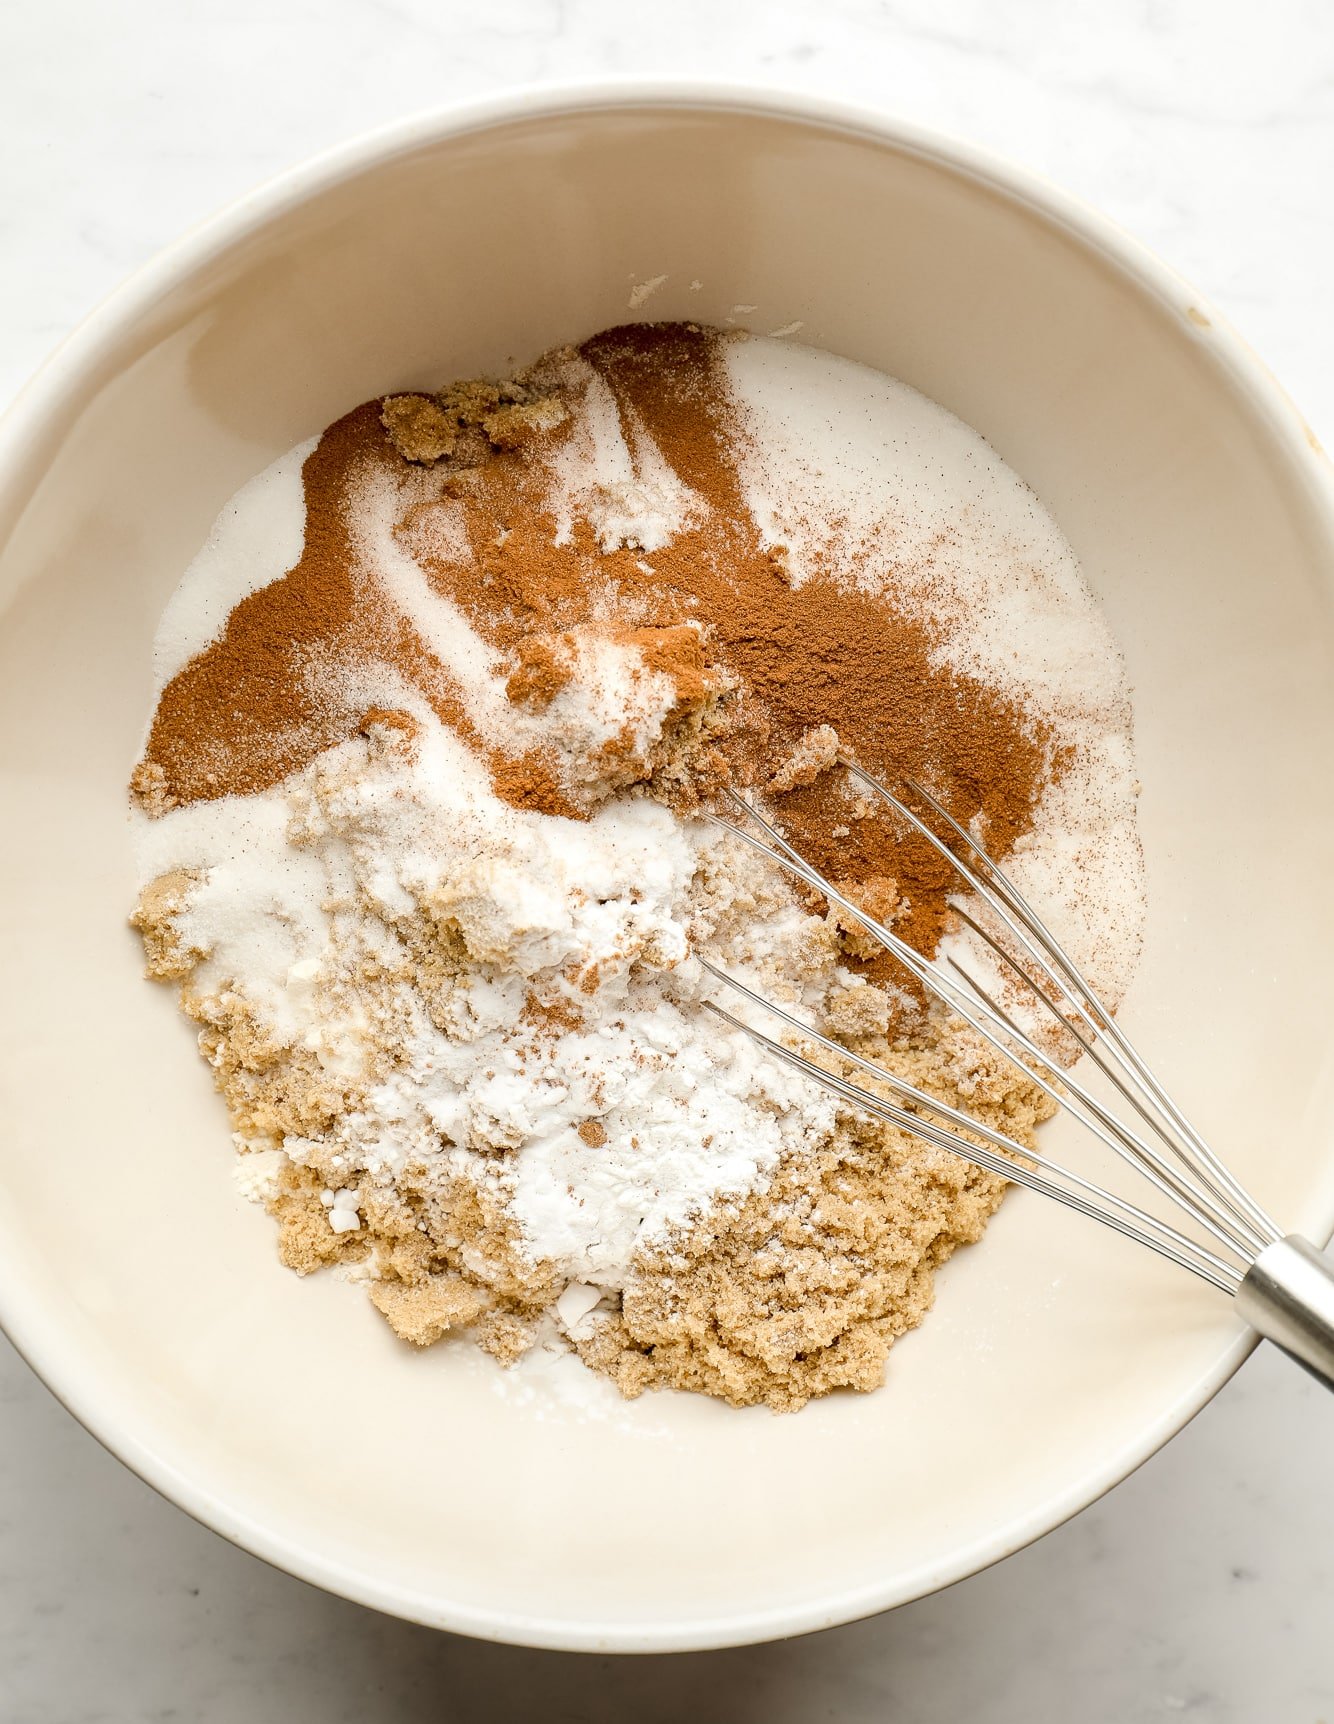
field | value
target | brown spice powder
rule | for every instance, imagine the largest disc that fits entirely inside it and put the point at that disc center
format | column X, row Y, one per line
column 267, row 696
column 795, row 1289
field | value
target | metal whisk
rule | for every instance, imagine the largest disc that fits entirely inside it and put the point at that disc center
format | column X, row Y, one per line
column 1283, row 1286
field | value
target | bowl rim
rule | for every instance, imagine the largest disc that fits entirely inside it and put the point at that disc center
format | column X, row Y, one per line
column 41, row 405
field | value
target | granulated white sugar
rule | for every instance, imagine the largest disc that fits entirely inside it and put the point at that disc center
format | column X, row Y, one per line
column 445, row 961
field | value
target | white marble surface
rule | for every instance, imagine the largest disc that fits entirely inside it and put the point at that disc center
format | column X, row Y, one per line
column 1205, row 1585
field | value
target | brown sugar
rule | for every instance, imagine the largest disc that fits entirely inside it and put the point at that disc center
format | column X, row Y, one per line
column 712, row 608
column 765, row 682
column 801, row 1288
column 815, row 752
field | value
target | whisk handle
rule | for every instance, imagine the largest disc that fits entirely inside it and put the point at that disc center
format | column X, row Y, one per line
column 1288, row 1295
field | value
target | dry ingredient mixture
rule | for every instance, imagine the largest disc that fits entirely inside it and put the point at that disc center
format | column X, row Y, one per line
column 440, row 705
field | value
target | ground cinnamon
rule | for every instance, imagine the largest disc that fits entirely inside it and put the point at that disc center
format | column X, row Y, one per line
column 277, row 687
column 477, row 1127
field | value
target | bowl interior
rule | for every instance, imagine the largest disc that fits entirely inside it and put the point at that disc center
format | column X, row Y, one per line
column 147, row 1291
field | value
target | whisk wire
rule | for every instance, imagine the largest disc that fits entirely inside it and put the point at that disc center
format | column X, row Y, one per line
column 1284, row 1286
column 1060, row 1088
column 1187, row 1188
column 1111, row 1211
column 1242, row 1227
column 1238, row 1198
column 1224, row 1274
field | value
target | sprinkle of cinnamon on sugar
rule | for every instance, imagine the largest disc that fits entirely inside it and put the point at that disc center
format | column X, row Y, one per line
column 714, row 605
column 755, row 673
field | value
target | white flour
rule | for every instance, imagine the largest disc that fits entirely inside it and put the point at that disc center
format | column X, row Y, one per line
column 323, row 899
column 393, row 846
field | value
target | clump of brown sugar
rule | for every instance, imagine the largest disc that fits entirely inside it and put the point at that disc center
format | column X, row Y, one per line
column 419, row 428
column 168, row 957
column 879, row 898
column 148, row 787
column 430, row 428
column 815, row 752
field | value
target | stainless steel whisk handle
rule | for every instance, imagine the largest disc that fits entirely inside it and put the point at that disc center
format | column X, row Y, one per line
column 1288, row 1295
column 1284, row 1287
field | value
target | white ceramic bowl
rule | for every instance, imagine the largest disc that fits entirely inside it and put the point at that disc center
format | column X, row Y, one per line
column 283, row 1413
